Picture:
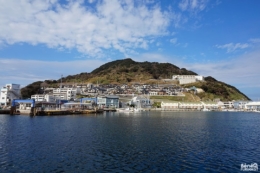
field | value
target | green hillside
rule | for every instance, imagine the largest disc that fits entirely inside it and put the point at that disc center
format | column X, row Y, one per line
column 128, row 71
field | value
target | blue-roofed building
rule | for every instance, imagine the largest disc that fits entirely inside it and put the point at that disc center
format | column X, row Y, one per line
column 110, row 101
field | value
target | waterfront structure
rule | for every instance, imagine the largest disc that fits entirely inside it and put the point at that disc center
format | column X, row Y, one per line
column 210, row 105
column 140, row 102
column 169, row 105
column 8, row 93
column 240, row 105
column 227, row 105
column 191, row 105
column 186, row 79
column 253, row 106
column 110, row 101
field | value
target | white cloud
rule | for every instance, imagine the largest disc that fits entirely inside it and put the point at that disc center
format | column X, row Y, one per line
column 254, row 40
column 173, row 40
column 121, row 25
column 25, row 72
column 193, row 5
column 231, row 47
column 242, row 71
column 151, row 57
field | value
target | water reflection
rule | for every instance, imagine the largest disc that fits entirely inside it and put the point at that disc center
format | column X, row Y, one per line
column 137, row 142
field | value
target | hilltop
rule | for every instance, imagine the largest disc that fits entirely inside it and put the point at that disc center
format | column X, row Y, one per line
column 128, row 71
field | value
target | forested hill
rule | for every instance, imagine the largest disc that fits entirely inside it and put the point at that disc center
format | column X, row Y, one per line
column 127, row 70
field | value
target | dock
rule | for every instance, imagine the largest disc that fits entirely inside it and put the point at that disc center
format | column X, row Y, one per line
column 35, row 112
column 67, row 112
column 5, row 111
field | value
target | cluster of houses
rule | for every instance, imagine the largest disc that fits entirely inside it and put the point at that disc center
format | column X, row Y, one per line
column 108, row 96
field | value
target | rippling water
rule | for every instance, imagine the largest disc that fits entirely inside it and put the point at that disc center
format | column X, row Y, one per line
column 144, row 142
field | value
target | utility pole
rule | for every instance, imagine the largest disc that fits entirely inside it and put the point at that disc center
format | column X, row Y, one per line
column 61, row 82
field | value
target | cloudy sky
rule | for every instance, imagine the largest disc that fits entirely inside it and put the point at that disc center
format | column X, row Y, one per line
column 42, row 40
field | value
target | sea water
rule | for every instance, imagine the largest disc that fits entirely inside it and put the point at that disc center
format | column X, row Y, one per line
column 134, row 142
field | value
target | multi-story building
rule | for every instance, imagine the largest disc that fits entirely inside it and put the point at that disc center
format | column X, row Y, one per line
column 253, row 106
column 240, row 105
column 66, row 93
column 8, row 93
column 185, row 79
column 43, row 98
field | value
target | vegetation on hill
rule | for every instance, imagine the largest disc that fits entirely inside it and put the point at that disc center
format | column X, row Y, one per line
column 127, row 71
column 217, row 90
column 31, row 89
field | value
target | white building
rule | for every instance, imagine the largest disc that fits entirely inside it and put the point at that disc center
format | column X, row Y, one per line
column 43, row 98
column 190, row 105
column 141, row 102
column 210, row 105
column 185, row 79
column 8, row 93
column 66, row 93
column 240, row 105
column 228, row 105
column 253, row 106
column 169, row 105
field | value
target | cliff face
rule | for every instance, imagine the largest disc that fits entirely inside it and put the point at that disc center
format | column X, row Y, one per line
column 127, row 70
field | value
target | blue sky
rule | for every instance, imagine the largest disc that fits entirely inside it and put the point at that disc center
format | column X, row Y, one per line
column 42, row 40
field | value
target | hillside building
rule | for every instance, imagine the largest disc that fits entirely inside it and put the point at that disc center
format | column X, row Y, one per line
column 186, row 79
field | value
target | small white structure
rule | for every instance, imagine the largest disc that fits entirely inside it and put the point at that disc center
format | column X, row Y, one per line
column 185, row 79
column 8, row 93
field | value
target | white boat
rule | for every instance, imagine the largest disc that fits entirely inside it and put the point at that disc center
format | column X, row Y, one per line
column 128, row 110
column 124, row 110
column 136, row 110
column 205, row 109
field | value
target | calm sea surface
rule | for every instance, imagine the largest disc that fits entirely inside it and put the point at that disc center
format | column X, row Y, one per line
column 143, row 142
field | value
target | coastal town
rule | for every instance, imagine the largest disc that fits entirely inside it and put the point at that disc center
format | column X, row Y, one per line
column 122, row 98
